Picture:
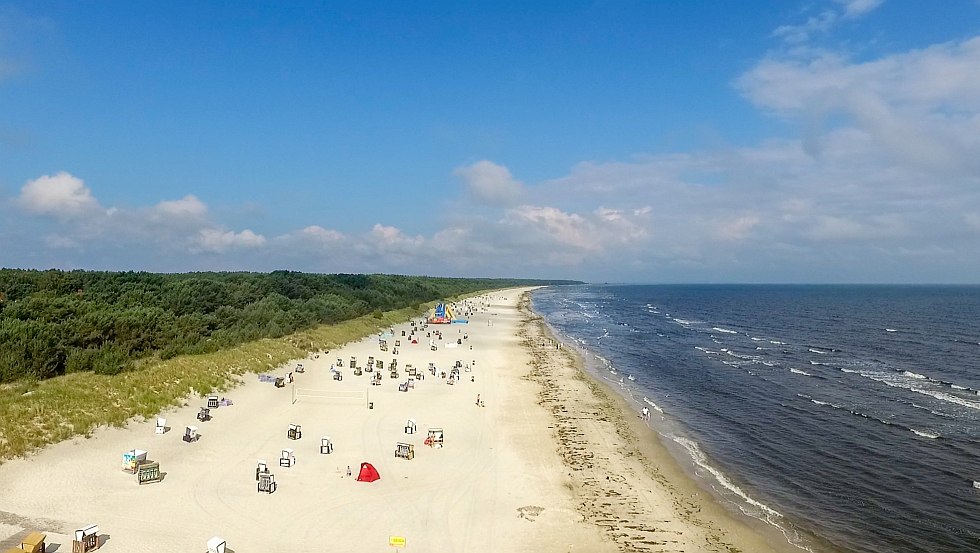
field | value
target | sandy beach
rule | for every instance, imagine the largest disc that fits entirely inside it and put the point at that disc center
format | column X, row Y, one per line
column 550, row 462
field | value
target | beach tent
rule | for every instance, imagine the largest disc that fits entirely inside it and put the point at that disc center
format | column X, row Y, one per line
column 368, row 473
column 440, row 314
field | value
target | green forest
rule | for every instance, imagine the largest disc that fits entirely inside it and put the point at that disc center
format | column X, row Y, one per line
column 57, row 322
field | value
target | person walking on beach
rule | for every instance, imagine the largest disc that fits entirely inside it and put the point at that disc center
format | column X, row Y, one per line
column 645, row 414
column 478, row 399
column 348, row 471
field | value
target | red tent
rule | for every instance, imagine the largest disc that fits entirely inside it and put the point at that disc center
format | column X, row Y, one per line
column 368, row 473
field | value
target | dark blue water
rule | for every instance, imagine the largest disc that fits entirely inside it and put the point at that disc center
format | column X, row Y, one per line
column 849, row 414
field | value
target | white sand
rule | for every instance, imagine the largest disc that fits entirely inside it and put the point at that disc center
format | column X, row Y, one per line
column 550, row 464
column 466, row 496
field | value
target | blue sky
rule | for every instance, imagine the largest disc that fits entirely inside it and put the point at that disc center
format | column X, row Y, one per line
column 815, row 141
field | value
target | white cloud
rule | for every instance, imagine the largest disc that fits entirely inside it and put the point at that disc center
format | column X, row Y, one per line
column 858, row 8
column 393, row 238
column 187, row 207
column 61, row 195
column 322, row 235
column 564, row 228
column 825, row 21
column 797, row 34
column 219, row 241
column 921, row 106
column 491, row 183
column 738, row 228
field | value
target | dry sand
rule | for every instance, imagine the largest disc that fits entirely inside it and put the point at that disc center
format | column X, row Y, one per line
column 550, row 463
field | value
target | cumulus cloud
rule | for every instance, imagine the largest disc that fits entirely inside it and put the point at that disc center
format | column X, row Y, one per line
column 218, row 241
column 60, row 195
column 187, row 207
column 564, row 228
column 919, row 106
column 321, row 234
column 491, row 183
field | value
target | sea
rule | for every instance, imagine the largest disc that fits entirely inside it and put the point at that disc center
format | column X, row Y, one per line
column 846, row 417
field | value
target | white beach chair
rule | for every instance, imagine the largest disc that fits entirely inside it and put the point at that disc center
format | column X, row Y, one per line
column 161, row 425
column 217, row 545
column 86, row 539
column 288, row 458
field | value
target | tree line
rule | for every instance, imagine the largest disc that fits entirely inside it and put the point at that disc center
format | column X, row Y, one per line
column 56, row 322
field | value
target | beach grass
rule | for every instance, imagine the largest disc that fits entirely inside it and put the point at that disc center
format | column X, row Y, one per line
column 37, row 413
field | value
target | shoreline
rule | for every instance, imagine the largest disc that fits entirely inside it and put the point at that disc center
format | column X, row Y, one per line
column 697, row 510
column 546, row 450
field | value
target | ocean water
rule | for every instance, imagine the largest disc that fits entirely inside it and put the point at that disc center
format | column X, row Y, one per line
column 848, row 416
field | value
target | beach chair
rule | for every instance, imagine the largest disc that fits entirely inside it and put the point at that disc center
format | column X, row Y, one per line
column 161, row 427
column 394, row 351
column 267, row 483
column 434, row 438
column 131, row 460
column 380, row 364
column 404, row 451
column 32, row 543
column 326, row 446
column 148, row 473
column 86, row 539
column 217, row 545
column 190, row 434
column 358, row 371
column 204, row 415
column 294, row 432
column 411, row 426
column 288, row 458
column 338, row 375
column 212, row 402
column 260, row 467
column 340, row 362
column 353, row 361
column 280, row 382
column 300, row 368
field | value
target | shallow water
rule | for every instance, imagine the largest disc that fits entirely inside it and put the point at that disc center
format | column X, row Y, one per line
column 848, row 413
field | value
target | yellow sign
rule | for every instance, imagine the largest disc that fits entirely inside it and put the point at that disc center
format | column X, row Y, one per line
column 396, row 541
